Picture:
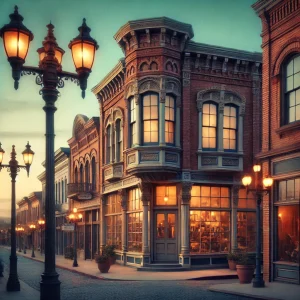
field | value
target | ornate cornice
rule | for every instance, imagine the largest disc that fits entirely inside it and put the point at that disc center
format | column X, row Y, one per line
column 264, row 5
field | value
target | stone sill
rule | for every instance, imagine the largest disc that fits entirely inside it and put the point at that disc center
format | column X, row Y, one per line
column 287, row 128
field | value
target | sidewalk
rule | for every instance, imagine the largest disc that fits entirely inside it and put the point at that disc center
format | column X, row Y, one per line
column 26, row 293
column 272, row 291
column 118, row 272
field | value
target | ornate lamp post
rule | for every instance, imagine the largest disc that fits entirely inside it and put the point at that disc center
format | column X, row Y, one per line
column 259, row 191
column 32, row 229
column 16, row 38
column 13, row 167
column 19, row 230
column 75, row 217
column 41, row 223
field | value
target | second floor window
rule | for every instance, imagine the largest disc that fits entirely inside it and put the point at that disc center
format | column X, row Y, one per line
column 292, row 89
column 169, row 119
column 108, row 143
column 81, row 174
column 87, row 172
column 94, row 173
column 150, row 118
column 119, row 142
column 209, row 126
column 230, row 128
column 132, row 122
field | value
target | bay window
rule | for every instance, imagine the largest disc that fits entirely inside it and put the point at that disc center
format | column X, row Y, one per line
column 150, row 118
column 108, row 144
column 209, row 126
column 170, row 120
column 230, row 128
column 132, row 117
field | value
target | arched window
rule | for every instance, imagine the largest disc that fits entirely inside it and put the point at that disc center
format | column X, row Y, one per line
column 76, row 175
column 292, row 90
column 62, row 191
column 119, row 141
column 144, row 67
column 150, row 118
column 230, row 128
column 209, row 126
column 94, row 173
column 154, row 66
column 132, row 134
column 170, row 119
column 87, row 172
column 108, row 143
column 66, row 191
column 81, row 173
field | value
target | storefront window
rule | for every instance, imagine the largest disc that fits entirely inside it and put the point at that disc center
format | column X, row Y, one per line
column 288, row 233
column 246, row 221
column 209, row 231
column 166, row 195
column 113, row 220
column 134, row 220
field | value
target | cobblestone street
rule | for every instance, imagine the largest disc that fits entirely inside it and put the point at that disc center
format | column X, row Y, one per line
column 80, row 287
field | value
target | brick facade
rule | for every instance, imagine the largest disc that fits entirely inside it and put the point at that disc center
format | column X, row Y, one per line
column 280, row 140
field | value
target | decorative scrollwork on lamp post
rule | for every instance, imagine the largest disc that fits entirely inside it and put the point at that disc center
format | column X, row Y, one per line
column 16, row 39
column 75, row 217
column 13, row 167
column 259, row 191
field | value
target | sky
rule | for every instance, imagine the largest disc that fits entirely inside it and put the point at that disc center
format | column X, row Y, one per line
column 227, row 23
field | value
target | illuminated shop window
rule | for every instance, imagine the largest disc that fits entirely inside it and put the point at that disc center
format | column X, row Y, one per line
column 134, row 221
column 166, row 195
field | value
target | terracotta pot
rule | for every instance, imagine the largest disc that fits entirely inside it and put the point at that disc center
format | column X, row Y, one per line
column 245, row 273
column 112, row 260
column 104, row 266
column 232, row 264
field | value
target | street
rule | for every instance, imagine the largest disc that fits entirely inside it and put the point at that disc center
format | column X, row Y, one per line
column 80, row 287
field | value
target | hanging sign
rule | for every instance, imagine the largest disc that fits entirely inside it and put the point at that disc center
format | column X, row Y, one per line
column 67, row 227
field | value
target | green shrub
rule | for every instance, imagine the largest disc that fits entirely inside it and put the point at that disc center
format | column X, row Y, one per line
column 109, row 250
column 101, row 258
column 245, row 259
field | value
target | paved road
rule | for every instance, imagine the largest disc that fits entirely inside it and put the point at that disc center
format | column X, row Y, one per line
column 78, row 287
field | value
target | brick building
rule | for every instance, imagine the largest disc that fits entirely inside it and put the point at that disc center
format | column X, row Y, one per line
column 281, row 136
column 83, row 188
column 179, row 125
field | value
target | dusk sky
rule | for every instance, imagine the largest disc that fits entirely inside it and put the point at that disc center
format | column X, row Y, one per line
column 228, row 23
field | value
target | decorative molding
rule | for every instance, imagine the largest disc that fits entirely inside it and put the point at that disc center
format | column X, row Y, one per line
column 235, row 194
column 184, row 193
column 186, row 176
column 149, row 156
column 131, row 159
column 230, row 162
column 145, row 189
column 171, row 157
column 123, row 197
column 209, row 160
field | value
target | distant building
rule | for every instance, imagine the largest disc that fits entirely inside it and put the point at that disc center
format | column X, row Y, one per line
column 179, row 125
column 281, row 137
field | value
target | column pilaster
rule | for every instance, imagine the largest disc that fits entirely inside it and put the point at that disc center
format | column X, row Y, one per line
column 102, row 222
column 162, row 100
column 235, row 199
column 123, row 197
column 184, row 196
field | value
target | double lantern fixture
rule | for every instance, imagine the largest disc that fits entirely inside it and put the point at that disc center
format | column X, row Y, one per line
column 16, row 38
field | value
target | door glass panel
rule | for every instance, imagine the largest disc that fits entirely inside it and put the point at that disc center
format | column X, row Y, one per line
column 160, row 225
column 171, row 226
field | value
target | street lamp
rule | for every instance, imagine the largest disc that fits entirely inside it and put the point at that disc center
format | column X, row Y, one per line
column 32, row 228
column 16, row 38
column 259, row 191
column 19, row 230
column 13, row 167
column 75, row 217
column 41, row 223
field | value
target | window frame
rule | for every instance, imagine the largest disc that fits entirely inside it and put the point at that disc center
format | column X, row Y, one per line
column 216, row 127
column 284, row 94
column 142, row 118
column 108, row 144
column 132, row 124
column 119, row 140
column 173, row 122
column 236, row 129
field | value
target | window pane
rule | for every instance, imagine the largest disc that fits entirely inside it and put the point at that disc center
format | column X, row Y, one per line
column 226, row 111
column 297, row 64
column 233, row 111
column 292, row 114
column 154, row 126
column 232, row 144
column 226, row 133
column 233, row 123
column 226, row 122
column 290, row 189
column 205, row 109
column 154, row 137
column 298, row 96
column 213, row 120
column 296, row 80
column 146, row 100
column 147, row 137
column 212, row 109
column 195, row 191
column 292, row 99
column 288, row 233
column 146, row 113
column 282, row 191
column 289, row 68
column 205, row 121
column 205, row 143
column 212, row 143
column 154, row 112
column 289, row 83
column 298, row 112
column 212, row 132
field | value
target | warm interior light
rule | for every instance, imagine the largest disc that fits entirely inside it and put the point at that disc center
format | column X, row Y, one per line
column 16, row 44
column 74, row 210
column 28, row 155
column 80, row 216
column 32, row 226
column 279, row 215
column 71, row 216
column 267, row 182
column 256, row 168
column 83, row 55
column 166, row 197
column 246, row 180
column 1, row 154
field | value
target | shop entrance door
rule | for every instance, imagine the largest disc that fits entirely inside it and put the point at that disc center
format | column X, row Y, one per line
column 165, row 240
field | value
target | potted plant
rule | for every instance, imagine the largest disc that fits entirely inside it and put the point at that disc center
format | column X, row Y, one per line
column 232, row 258
column 245, row 268
column 103, row 262
column 109, row 250
column 1, row 268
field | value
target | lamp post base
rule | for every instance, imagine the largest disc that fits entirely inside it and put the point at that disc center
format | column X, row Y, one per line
column 258, row 283
column 13, row 284
column 75, row 264
column 49, row 287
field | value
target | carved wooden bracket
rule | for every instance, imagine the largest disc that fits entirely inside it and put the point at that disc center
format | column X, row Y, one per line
column 184, row 193
column 145, row 189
